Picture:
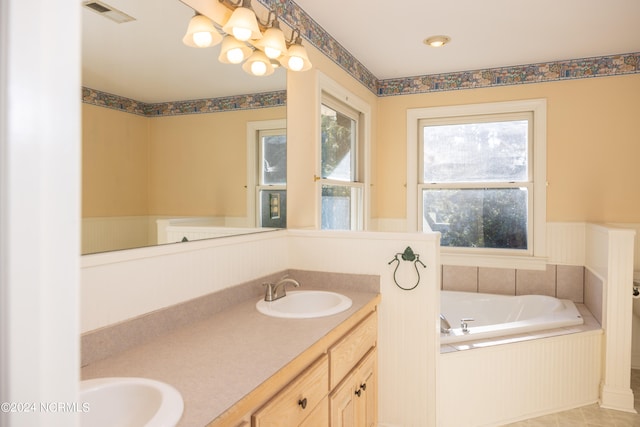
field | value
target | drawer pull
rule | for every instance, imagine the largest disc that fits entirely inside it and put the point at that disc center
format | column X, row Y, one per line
column 358, row 392
column 363, row 386
column 303, row 403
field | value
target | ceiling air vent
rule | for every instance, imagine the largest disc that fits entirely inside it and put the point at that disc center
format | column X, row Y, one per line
column 107, row 11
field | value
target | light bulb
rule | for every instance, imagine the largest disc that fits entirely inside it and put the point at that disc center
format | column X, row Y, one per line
column 235, row 55
column 258, row 68
column 272, row 52
column 202, row 39
column 296, row 63
column 242, row 34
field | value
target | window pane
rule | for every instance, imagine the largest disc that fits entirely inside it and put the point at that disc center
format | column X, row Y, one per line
column 274, row 159
column 476, row 152
column 338, row 142
column 339, row 203
column 478, row 218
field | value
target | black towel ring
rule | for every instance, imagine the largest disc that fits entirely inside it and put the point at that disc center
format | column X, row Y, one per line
column 407, row 255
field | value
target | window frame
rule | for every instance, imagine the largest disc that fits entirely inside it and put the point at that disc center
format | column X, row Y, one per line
column 534, row 257
column 253, row 168
column 336, row 97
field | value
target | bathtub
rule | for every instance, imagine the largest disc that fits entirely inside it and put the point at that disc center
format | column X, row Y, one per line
column 500, row 315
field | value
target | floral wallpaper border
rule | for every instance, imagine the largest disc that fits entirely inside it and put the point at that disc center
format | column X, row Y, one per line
column 175, row 108
column 520, row 74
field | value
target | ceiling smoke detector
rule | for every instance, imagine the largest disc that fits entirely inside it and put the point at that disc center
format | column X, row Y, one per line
column 108, row 11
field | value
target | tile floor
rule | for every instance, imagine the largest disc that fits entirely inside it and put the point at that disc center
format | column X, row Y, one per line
column 592, row 415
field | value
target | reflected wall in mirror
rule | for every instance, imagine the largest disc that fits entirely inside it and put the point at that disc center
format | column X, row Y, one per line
column 149, row 152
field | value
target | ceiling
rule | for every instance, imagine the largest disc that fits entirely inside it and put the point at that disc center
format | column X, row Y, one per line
column 145, row 59
column 387, row 37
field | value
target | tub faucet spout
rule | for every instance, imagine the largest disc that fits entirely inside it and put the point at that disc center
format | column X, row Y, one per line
column 445, row 327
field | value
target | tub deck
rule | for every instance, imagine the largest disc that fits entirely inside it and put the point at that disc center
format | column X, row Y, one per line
column 590, row 323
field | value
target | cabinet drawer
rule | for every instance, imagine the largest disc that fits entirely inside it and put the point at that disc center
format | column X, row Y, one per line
column 298, row 399
column 344, row 355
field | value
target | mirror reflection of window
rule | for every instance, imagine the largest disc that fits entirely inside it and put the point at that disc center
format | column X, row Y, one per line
column 272, row 182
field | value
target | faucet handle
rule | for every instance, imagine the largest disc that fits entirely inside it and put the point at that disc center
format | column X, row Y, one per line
column 464, row 323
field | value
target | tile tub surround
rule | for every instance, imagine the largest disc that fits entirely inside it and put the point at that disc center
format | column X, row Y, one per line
column 105, row 342
column 560, row 281
column 216, row 361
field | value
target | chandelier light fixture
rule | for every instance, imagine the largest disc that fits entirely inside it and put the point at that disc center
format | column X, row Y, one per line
column 259, row 46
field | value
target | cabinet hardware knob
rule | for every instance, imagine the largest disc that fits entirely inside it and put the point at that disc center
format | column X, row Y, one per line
column 303, row 403
column 363, row 386
column 358, row 392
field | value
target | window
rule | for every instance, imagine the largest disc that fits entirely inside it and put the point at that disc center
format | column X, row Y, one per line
column 481, row 176
column 272, row 178
column 340, row 176
column 266, row 174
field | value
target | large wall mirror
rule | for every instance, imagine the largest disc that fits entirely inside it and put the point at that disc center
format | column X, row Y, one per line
column 147, row 154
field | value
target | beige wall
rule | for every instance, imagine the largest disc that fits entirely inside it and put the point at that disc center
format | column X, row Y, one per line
column 593, row 146
column 178, row 165
column 198, row 162
column 115, row 148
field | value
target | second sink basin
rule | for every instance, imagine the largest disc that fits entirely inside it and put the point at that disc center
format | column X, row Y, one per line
column 305, row 305
column 129, row 402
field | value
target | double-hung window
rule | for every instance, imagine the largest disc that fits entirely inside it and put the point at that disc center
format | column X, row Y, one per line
column 272, row 178
column 481, row 180
column 340, row 162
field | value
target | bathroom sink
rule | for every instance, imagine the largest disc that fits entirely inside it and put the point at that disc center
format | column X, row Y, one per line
column 305, row 305
column 129, row 402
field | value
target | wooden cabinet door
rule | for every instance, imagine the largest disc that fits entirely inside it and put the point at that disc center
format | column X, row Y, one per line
column 342, row 404
column 366, row 391
column 355, row 402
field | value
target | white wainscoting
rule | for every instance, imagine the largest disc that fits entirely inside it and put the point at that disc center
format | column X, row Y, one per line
column 121, row 285
column 114, row 233
column 507, row 383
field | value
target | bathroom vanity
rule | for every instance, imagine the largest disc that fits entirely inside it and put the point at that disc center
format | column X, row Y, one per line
column 239, row 367
column 341, row 385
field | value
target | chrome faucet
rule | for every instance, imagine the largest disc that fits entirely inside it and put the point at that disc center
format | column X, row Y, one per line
column 464, row 324
column 445, row 326
column 276, row 291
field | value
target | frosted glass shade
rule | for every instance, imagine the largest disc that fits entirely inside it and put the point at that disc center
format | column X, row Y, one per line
column 297, row 59
column 201, row 33
column 243, row 24
column 273, row 43
column 258, row 64
column 233, row 51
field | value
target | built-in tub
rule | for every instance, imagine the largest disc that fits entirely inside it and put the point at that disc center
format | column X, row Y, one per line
column 500, row 315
